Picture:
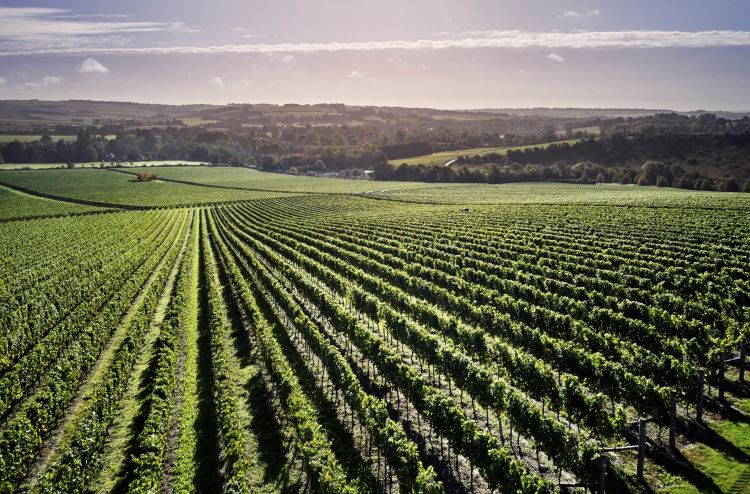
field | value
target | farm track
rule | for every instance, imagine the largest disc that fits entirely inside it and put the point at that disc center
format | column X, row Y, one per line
column 75, row 409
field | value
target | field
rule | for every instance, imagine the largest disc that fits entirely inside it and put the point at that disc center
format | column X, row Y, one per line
column 5, row 138
column 548, row 193
column 443, row 157
column 297, row 334
column 593, row 130
column 247, row 178
column 16, row 205
column 98, row 164
column 107, row 187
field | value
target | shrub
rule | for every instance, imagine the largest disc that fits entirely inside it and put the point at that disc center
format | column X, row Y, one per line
column 146, row 177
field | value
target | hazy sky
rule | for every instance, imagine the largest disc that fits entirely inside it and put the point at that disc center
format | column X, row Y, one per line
column 679, row 54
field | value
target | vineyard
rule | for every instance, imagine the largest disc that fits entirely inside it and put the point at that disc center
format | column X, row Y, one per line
column 277, row 337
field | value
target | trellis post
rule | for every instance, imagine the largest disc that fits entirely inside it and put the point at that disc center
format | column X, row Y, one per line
column 602, row 473
column 673, row 420
column 742, row 362
column 641, row 447
column 699, row 407
column 721, row 374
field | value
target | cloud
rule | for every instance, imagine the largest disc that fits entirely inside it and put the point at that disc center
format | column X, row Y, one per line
column 400, row 62
column 48, row 80
column 93, row 16
column 29, row 86
column 280, row 57
column 249, row 33
column 92, row 66
column 216, row 82
column 359, row 76
column 575, row 14
column 555, row 57
column 38, row 28
column 3, row 81
column 242, row 83
column 464, row 40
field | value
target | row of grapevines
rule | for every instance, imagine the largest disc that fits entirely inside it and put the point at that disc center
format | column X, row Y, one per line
column 311, row 440
column 445, row 416
column 524, row 371
column 76, row 462
column 388, row 434
column 646, row 395
column 152, row 439
column 51, row 295
column 232, row 439
column 32, row 365
column 23, row 434
column 563, row 326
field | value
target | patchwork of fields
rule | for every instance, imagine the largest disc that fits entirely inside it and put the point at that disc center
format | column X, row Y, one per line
column 442, row 157
column 251, row 332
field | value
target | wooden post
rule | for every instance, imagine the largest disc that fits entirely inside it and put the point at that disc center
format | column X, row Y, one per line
column 699, row 408
column 742, row 362
column 641, row 448
column 673, row 421
column 721, row 375
column 602, row 473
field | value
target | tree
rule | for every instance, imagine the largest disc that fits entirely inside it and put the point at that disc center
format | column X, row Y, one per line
column 676, row 171
column 729, row 184
column 662, row 181
column 319, row 166
column 267, row 162
column 746, row 186
column 651, row 170
column 600, row 178
column 200, row 153
column 86, row 154
column 684, row 182
column 642, row 180
column 703, row 184
column 382, row 171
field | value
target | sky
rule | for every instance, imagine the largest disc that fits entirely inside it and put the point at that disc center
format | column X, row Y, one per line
column 455, row 54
